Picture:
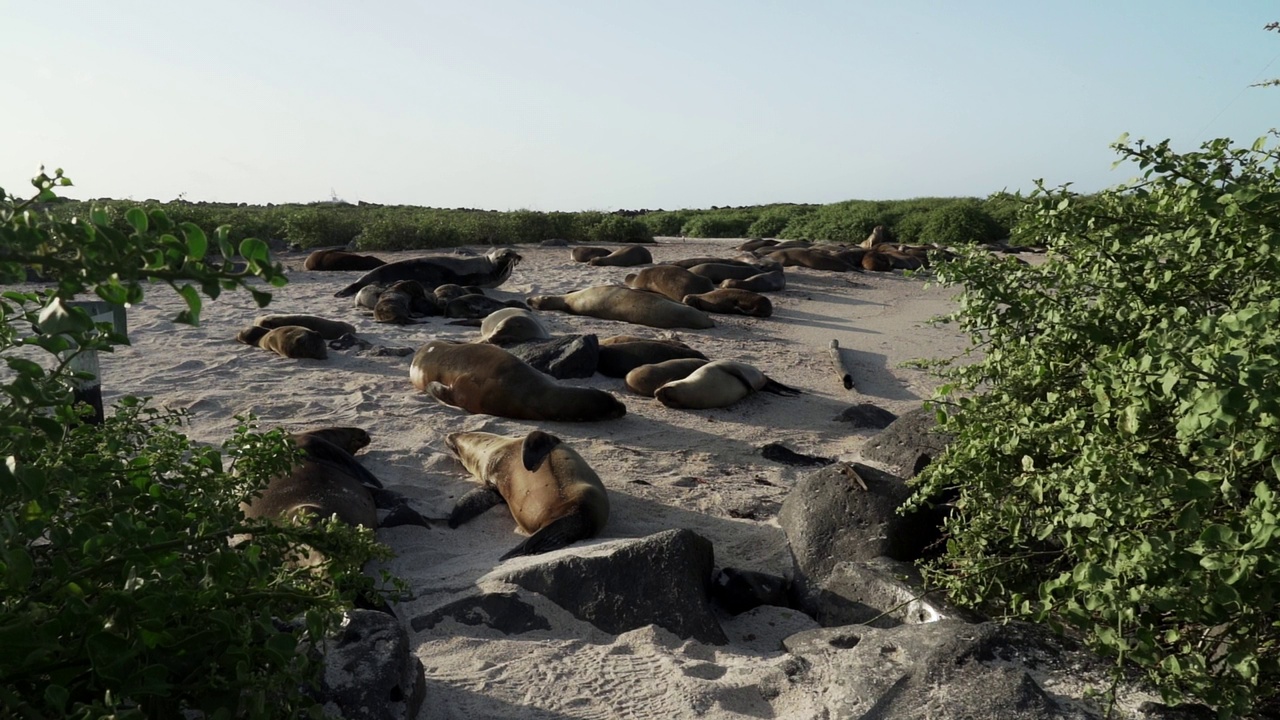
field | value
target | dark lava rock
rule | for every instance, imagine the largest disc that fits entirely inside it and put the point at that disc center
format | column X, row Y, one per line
column 570, row 356
column 909, row 443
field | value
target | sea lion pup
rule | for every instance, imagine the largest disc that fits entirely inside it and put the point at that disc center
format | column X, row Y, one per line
column 718, row 384
column 731, row 301
column 450, row 291
column 646, row 379
column 719, row 272
column 611, row 302
column 810, row 258
column 489, row 270
column 329, row 480
column 625, row 256
column 764, row 282
column 337, row 259
column 876, row 261
column 509, row 326
column 291, row 341
column 621, row 354
column 756, row 244
column 402, row 302
column 553, row 493
column 328, row 329
column 485, row 379
column 587, row 254
column 477, row 306
column 367, row 298
column 669, row 281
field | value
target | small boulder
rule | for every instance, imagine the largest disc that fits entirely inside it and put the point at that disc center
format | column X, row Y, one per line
column 866, row 415
column 909, row 443
column 569, row 356
column 370, row 673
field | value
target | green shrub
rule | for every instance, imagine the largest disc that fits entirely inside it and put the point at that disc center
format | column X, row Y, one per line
column 313, row 227
column 845, row 222
column 619, row 229
column 714, row 224
column 774, row 220
column 1116, row 464
column 666, row 224
column 961, row 222
column 121, row 592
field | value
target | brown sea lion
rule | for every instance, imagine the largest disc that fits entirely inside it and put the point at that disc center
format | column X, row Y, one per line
column 552, row 493
column 489, row 270
column 731, row 301
column 879, row 235
column 587, row 254
column 291, row 341
column 719, row 272
column 756, row 244
column 368, row 296
column 718, row 384
column 646, row 379
column 325, row 260
column 810, row 258
column 328, row 329
column 669, row 281
column 791, row 244
column 509, row 326
column 485, row 379
column 328, row 480
column 626, row 256
column 764, row 282
column 690, row 262
column 621, row 354
column 611, row 302
column 876, row 261
column 451, row 291
column 402, row 302
column 477, row 306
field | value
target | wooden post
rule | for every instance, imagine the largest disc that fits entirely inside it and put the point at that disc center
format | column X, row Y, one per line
column 89, row 390
column 842, row 368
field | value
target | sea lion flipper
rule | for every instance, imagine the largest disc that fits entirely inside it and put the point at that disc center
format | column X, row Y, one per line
column 326, row 452
column 558, row 534
column 536, row 447
column 442, row 392
column 777, row 388
column 402, row 514
column 474, row 503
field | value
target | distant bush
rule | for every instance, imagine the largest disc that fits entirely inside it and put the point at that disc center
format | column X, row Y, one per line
column 312, row 227
column 618, row 229
column 960, row 222
column 667, row 224
column 847, row 222
column 718, row 224
column 773, row 220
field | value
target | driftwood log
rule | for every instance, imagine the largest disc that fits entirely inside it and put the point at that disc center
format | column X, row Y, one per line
column 846, row 377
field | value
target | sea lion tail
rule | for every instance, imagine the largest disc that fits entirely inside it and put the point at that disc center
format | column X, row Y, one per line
column 558, row 534
column 349, row 290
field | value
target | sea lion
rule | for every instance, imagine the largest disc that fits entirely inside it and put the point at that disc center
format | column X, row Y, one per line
column 325, row 260
column 611, row 302
column 328, row 480
column 690, row 262
column 553, row 493
column 731, row 301
column 291, row 341
column 621, row 354
column 790, row 244
column 719, row 272
column 368, row 296
column 509, row 326
column 879, row 235
column 402, row 302
column 756, row 244
column 483, row 378
column 625, row 256
column 876, row 261
column 646, row 379
column 451, row 291
column 764, row 282
column 587, row 254
column 476, row 306
column 810, row 258
column 489, row 270
column 328, row 329
column 670, row 281
column 718, row 384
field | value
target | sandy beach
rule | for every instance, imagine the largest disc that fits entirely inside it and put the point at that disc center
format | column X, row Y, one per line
column 664, row 468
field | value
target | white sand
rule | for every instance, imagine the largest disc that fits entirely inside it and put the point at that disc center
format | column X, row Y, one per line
column 664, row 468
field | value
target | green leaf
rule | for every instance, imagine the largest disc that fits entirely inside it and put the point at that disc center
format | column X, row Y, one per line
column 192, row 315
column 255, row 251
column 197, row 243
column 137, row 218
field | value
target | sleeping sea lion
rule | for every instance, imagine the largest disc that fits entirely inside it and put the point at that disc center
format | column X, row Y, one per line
column 483, row 378
column 731, row 301
column 690, row 262
column 810, row 258
column 621, row 354
column 477, row 306
column 611, row 302
column 368, row 296
column 719, row 272
column 756, row 244
column 509, row 326
column 291, row 341
column 587, row 254
column 328, row 329
column 646, row 379
column 718, row 384
column 625, row 256
column 670, row 281
column 489, row 270
column 876, row 261
column 402, row 302
column 451, row 291
column 764, row 282
column 335, row 259
column 552, row 493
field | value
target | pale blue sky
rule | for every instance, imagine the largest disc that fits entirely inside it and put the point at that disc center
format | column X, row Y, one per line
column 598, row 104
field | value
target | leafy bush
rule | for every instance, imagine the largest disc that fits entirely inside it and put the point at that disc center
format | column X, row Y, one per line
column 121, row 591
column 961, row 222
column 772, row 221
column 845, row 222
column 666, row 224
column 718, row 225
column 1117, row 447
column 314, row 227
column 619, row 229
